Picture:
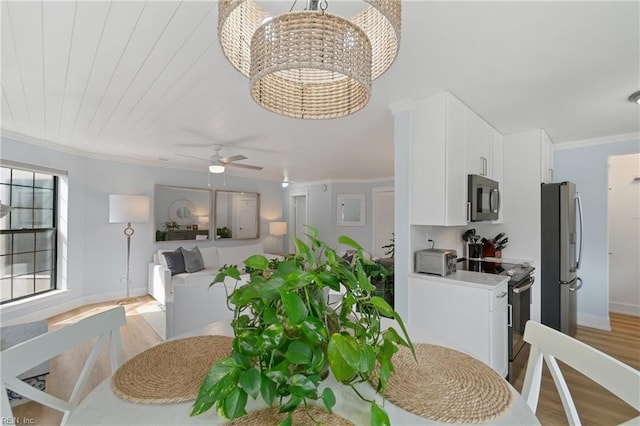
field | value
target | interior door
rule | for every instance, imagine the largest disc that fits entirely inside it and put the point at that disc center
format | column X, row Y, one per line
column 383, row 219
column 624, row 233
column 299, row 215
column 244, row 220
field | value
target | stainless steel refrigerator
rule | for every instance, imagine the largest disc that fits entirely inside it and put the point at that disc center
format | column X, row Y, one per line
column 561, row 220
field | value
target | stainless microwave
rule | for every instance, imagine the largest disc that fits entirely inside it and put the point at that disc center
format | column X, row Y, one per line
column 484, row 199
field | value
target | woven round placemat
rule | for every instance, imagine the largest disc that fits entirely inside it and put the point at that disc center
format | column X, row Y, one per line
column 170, row 372
column 270, row 416
column 447, row 386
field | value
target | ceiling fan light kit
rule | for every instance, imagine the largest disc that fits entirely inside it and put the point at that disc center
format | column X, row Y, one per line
column 310, row 64
column 214, row 168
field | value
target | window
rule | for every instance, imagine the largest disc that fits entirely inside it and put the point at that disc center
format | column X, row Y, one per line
column 28, row 234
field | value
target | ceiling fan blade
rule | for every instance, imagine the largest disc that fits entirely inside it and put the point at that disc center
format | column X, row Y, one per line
column 243, row 166
column 233, row 158
column 191, row 156
column 193, row 145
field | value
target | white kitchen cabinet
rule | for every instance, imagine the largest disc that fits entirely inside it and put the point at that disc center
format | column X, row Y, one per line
column 448, row 141
column 478, row 146
column 497, row 168
column 472, row 317
column 437, row 179
column 546, row 158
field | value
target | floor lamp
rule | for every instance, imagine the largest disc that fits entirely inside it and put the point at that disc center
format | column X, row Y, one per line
column 128, row 209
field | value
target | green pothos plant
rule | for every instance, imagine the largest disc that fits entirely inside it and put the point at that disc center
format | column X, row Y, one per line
column 287, row 337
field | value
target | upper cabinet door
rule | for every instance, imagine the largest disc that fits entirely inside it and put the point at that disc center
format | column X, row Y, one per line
column 478, row 146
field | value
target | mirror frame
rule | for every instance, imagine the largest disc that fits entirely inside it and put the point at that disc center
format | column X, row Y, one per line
column 217, row 220
column 340, row 202
column 169, row 202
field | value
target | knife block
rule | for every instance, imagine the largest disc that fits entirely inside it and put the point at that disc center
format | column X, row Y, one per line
column 489, row 250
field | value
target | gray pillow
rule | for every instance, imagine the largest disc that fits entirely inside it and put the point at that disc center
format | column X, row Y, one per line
column 192, row 259
column 175, row 261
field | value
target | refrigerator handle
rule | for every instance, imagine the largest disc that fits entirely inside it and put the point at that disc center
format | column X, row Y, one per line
column 578, row 286
column 579, row 204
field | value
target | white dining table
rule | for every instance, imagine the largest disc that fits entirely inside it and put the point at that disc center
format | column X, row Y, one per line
column 103, row 407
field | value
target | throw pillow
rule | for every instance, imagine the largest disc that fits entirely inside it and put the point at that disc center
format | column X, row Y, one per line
column 175, row 261
column 192, row 259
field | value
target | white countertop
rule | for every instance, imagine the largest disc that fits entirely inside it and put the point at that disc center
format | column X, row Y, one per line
column 467, row 278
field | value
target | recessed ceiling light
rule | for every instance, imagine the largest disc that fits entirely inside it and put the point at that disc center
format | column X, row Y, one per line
column 635, row 97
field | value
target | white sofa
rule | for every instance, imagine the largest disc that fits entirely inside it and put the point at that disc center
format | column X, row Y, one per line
column 189, row 301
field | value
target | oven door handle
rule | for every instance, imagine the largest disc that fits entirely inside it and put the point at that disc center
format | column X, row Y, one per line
column 524, row 287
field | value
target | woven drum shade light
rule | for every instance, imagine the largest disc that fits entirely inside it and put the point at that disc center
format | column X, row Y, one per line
column 310, row 64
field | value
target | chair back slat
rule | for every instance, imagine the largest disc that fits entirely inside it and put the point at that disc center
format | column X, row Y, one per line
column 23, row 356
column 549, row 344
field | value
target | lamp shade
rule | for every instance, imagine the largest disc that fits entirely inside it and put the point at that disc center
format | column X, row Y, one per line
column 278, row 228
column 129, row 208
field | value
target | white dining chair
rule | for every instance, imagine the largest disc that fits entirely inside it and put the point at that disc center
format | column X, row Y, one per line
column 548, row 344
column 23, row 356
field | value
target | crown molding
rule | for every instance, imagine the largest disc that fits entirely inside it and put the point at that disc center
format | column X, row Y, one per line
column 626, row 137
column 334, row 181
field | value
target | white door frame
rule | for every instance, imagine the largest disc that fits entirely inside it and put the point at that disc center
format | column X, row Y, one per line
column 374, row 195
column 292, row 213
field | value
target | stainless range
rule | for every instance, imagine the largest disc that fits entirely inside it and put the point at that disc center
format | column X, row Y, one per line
column 521, row 280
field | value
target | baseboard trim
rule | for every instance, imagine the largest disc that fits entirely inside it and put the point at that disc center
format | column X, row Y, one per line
column 624, row 308
column 592, row 321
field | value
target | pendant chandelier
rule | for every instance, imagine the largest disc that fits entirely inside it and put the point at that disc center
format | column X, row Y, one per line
column 310, row 64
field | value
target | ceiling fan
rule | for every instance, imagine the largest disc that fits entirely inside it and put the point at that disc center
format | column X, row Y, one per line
column 218, row 164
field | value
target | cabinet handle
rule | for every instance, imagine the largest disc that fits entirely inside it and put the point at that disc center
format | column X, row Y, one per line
column 510, row 320
column 550, row 175
column 468, row 211
column 483, row 160
column 501, row 295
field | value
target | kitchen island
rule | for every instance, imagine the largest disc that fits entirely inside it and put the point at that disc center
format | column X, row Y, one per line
column 469, row 308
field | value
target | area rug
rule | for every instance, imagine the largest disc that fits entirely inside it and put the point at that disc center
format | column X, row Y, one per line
column 155, row 316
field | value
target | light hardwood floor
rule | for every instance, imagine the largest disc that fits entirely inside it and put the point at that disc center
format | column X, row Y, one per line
column 595, row 405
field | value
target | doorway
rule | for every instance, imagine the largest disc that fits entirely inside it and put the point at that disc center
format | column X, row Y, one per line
column 624, row 234
column 299, row 217
column 382, row 219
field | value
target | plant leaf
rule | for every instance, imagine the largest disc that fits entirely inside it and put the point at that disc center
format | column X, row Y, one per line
column 299, row 353
column 288, row 421
column 235, row 403
column 302, row 386
column 329, row 399
column 257, row 261
column 363, row 279
column 367, row 359
column 379, row 417
column 217, row 384
column 250, row 381
column 272, row 337
column 382, row 306
column 343, row 239
column 338, row 352
column 313, row 329
column 296, row 310
column 268, row 390
column 291, row 404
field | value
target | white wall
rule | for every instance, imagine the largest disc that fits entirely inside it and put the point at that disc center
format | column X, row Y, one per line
column 586, row 166
column 97, row 249
column 323, row 210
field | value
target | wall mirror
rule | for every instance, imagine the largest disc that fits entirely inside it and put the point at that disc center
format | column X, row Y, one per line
column 351, row 209
column 237, row 215
column 181, row 213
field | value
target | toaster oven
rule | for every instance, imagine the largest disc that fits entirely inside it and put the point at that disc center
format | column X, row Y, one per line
column 435, row 261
